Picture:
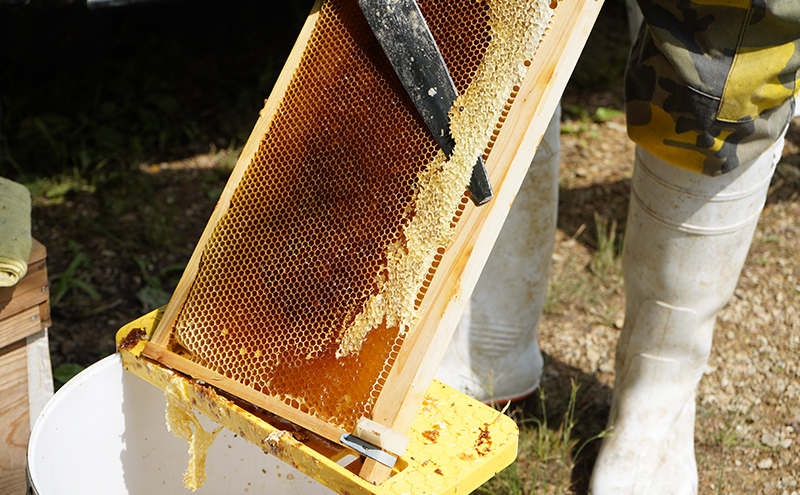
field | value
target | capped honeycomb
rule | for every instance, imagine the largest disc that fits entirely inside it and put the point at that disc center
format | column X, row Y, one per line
column 314, row 273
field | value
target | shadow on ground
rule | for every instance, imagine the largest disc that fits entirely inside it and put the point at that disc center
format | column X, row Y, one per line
column 591, row 407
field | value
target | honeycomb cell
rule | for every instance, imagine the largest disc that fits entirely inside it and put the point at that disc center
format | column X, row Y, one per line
column 307, row 237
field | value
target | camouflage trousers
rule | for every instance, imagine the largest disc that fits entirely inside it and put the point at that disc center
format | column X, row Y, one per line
column 711, row 84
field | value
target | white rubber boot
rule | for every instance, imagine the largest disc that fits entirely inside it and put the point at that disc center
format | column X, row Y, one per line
column 494, row 354
column 686, row 241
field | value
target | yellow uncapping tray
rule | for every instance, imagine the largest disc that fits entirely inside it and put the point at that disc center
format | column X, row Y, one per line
column 457, row 443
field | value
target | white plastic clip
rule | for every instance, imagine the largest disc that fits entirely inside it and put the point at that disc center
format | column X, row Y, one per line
column 372, row 439
column 382, row 436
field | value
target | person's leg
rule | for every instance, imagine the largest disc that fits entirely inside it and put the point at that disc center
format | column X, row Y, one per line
column 635, row 18
column 494, row 354
column 686, row 240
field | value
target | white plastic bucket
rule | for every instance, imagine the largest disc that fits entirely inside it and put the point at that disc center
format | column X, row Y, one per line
column 104, row 432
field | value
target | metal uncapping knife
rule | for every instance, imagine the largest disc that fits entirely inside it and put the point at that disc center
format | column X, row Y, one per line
column 409, row 45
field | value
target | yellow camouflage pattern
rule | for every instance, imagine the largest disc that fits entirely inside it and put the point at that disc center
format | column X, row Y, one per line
column 711, row 84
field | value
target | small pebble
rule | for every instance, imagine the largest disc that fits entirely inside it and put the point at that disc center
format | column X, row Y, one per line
column 765, row 463
column 769, row 439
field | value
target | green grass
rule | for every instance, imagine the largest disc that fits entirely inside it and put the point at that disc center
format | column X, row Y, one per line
column 546, row 454
column 607, row 260
column 573, row 285
column 724, row 431
column 152, row 295
column 565, row 287
column 74, row 279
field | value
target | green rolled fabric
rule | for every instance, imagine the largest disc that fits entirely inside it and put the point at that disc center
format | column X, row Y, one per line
column 15, row 231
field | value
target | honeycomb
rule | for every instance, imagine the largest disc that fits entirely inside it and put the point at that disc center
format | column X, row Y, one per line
column 183, row 423
column 314, row 273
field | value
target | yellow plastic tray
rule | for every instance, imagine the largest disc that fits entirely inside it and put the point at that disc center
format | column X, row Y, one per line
column 457, row 443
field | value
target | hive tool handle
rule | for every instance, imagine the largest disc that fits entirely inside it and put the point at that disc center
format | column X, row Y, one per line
column 405, row 38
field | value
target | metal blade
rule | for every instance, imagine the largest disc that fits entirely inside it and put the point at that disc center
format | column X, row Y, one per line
column 407, row 42
column 368, row 450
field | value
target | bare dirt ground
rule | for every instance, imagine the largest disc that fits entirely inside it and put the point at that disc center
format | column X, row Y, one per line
column 116, row 251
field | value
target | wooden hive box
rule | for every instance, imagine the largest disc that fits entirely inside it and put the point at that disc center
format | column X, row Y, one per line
column 26, row 381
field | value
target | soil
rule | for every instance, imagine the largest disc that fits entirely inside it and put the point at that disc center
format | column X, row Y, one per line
column 115, row 251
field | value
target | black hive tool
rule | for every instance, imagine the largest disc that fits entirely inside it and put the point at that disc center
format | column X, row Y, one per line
column 408, row 43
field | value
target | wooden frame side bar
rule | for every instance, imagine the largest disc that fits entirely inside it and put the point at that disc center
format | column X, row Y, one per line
column 478, row 228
